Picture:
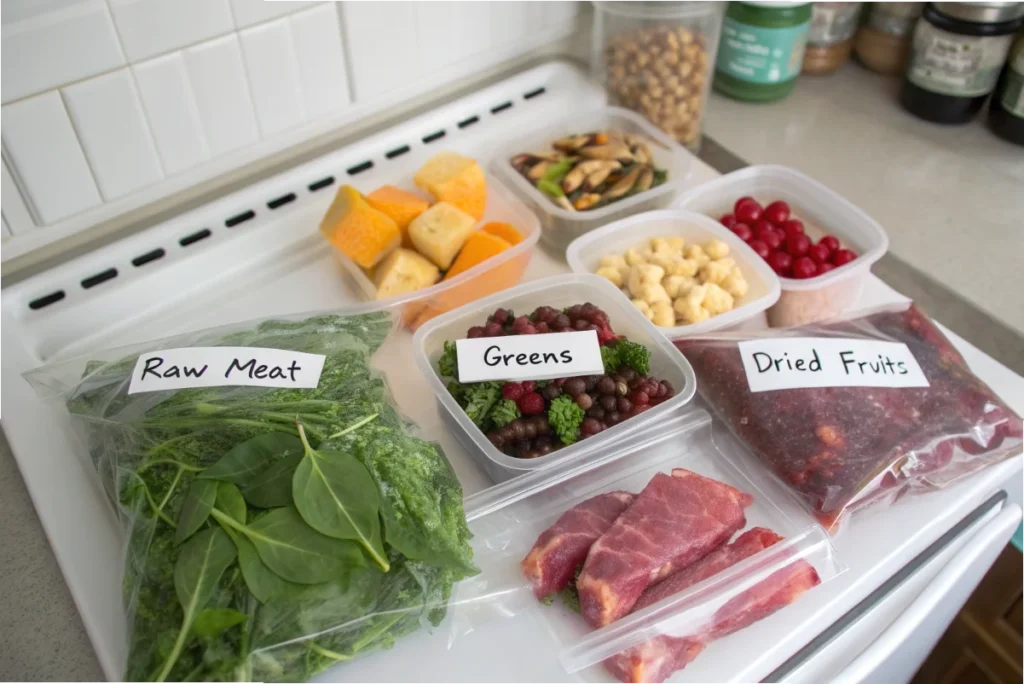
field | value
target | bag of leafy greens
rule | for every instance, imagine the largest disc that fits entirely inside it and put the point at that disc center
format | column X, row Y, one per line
column 277, row 521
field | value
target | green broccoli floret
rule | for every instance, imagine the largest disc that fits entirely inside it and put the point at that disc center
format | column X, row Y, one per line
column 448, row 364
column 634, row 355
column 504, row 412
column 610, row 357
column 565, row 416
column 480, row 398
column 458, row 391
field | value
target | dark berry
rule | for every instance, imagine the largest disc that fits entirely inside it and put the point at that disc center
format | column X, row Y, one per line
column 493, row 329
column 530, row 404
column 596, row 411
column 608, row 402
column 592, row 382
column 640, row 398
column 542, row 327
column 581, row 324
column 519, row 325
column 512, row 390
column 613, row 418
column 606, row 385
column 584, row 400
column 528, row 329
column 624, row 405
column 561, row 322
column 559, row 381
column 628, row 374
column 574, row 386
column 475, row 331
column 590, row 426
column 500, row 316
column 550, row 392
column 516, row 430
column 528, row 385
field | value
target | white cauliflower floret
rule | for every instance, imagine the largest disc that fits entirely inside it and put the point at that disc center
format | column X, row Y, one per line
column 717, row 300
column 644, row 308
column 677, row 285
column 613, row 275
column 697, row 253
column 659, row 244
column 634, row 257
column 687, row 312
column 664, row 316
column 715, row 272
column 644, row 274
column 616, row 261
column 667, row 260
column 676, row 243
column 684, row 267
column 735, row 284
column 716, row 249
column 652, row 293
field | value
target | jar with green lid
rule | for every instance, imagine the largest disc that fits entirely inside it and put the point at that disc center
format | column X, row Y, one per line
column 1006, row 110
column 761, row 49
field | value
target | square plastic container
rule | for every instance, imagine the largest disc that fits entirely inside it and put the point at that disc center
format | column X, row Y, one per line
column 560, row 292
column 507, row 519
column 560, row 226
column 823, row 211
column 493, row 275
column 586, row 252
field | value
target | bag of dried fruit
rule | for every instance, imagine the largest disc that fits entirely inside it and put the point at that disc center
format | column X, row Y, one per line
column 854, row 412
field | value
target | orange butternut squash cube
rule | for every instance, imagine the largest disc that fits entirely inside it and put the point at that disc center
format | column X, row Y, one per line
column 455, row 179
column 359, row 231
column 503, row 230
column 479, row 247
column 400, row 205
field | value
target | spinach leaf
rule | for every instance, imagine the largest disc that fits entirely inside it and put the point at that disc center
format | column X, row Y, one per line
column 244, row 463
column 198, row 569
column 195, row 509
column 272, row 488
column 294, row 550
column 264, row 584
column 336, row 496
column 212, row 621
column 230, row 500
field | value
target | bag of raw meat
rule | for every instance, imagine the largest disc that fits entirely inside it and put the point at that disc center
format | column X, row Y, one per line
column 854, row 412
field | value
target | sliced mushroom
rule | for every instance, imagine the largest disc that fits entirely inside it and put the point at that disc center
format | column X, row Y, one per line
column 537, row 171
column 612, row 150
column 563, row 202
column 600, row 176
column 645, row 179
column 624, row 184
column 571, row 144
column 584, row 169
column 586, row 201
column 642, row 153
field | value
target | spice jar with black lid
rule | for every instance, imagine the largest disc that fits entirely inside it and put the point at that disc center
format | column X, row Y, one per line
column 1006, row 110
column 957, row 53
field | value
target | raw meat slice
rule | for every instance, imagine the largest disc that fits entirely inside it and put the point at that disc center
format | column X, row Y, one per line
column 656, row 659
column 677, row 519
column 746, row 545
column 563, row 547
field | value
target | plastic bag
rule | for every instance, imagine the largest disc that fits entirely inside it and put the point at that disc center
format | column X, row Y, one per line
column 271, row 532
column 841, row 448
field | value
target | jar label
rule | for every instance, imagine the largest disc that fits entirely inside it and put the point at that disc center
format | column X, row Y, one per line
column 889, row 24
column 953, row 64
column 832, row 22
column 761, row 55
column 1012, row 98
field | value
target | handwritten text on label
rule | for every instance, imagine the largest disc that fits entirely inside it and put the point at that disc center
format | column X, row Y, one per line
column 529, row 357
column 172, row 369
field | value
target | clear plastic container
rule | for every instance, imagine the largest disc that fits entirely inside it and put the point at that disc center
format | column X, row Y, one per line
column 558, row 291
column 560, row 226
column 493, row 275
column 656, row 59
column 507, row 519
column 823, row 211
column 585, row 253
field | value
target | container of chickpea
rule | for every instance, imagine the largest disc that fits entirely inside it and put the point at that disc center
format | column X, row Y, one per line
column 684, row 271
column 656, row 58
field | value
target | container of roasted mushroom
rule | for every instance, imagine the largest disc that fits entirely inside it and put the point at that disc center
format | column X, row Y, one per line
column 593, row 168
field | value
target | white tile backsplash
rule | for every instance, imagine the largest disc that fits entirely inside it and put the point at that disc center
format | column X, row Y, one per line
column 172, row 112
column 47, row 44
column 250, row 12
column 112, row 127
column 43, row 147
column 221, row 89
column 321, row 57
column 382, row 39
column 273, row 72
column 17, row 217
column 153, row 27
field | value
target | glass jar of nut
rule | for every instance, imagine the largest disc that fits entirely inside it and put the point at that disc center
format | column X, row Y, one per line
column 656, row 58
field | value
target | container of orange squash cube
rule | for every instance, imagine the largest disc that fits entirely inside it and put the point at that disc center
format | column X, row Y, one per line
column 447, row 236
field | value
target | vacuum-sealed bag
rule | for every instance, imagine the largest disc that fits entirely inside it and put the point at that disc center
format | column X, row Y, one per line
column 857, row 411
column 280, row 515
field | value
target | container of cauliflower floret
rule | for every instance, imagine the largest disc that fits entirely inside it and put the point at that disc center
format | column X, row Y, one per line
column 685, row 271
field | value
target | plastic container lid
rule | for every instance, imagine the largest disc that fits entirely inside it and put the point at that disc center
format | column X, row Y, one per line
column 667, row 363
column 585, row 253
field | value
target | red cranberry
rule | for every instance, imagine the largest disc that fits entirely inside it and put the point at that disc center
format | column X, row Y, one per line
column 493, row 329
column 744, row 232
column 797, row 244
column 819, row 253
column 793, row 226
column 804, row 267
column 741, row 201
column 500, row 316
column 771, row 238
column 830, row 241
column 825, row 268
column 760, row 248
column 777, row 212
column 763, row 224
column 780, row 263
column 749, row 212
column 475, row 331
column 843, row 257
column 727, row 220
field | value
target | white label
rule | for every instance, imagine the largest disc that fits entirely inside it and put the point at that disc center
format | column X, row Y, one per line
column 795, row 362
column 173, row 369
column 529, row 357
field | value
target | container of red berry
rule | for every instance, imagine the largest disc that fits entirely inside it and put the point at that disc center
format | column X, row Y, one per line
column 819, row 243
column 514, row 427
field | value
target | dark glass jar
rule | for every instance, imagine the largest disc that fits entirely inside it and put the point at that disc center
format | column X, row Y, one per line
column 1006, row 110
column 958, row 50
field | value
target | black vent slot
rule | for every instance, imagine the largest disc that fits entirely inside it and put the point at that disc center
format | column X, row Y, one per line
column 359, row 168
column 194, row 237
column 433, row 136
column 321, row 184
column 465, row 123
column 534, row 93
column 240, row 218
column 144, row 259
column 502, row 107
column 281, row 201
column 397, row 152
column 49, row 299
column 94, row 280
